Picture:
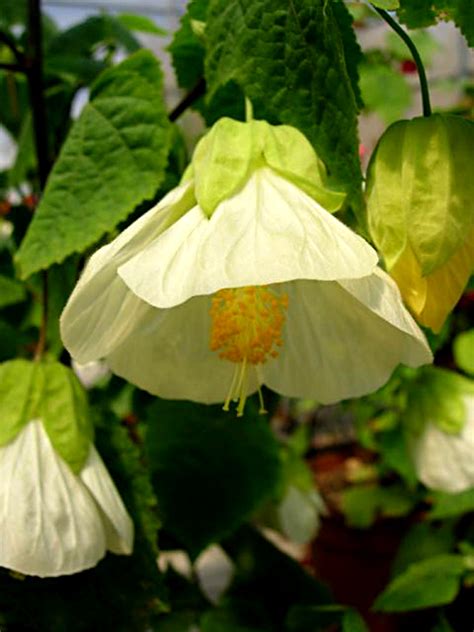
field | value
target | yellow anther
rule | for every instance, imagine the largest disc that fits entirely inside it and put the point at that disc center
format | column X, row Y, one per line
column 247, row 323
column 247, row 328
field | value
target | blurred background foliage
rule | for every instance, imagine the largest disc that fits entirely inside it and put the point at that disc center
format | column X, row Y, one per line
column 297, row 521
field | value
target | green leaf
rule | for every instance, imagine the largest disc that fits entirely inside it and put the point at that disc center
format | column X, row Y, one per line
column 65, row 415
column 389, row 5
column 14, row 99
column 291, row 62
column 204, row 495
column 395, row 501
column 9, row 341
column 113, row 159
column 424, row 540
column 17, row 381
column 422, row 13
column 187, row 52
column 11, row 291
column 353, row 622
column 432, row 582
column 463, row 349
column 140, row 23
column 359, row 505
column 187, row 49
column 393, row 447
column 438, row 396
column 451, row 505
column 13, row 12
column 362, row 504
column 84, row 38
column 384, row 91
column 25, row 161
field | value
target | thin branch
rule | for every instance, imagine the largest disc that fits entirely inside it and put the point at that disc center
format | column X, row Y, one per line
column 35, row 84
column 425, row 95
column 34, row 62
column 192, row 96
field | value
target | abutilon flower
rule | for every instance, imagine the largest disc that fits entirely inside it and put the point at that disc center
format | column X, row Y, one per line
column 445, row 461
column 59, row 509
column 420, row 193
column 240, row 277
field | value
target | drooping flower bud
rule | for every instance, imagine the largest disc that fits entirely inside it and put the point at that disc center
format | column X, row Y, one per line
column 59, row 509
column 420, row 193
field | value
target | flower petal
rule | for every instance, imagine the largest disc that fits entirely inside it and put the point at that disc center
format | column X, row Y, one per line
column 49, row 524
column 169, row 356
column 102, row 311
column 343, row 339
column 270, row 231
column 118, row 524
column 445, row 461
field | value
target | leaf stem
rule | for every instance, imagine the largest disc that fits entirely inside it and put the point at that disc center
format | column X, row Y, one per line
column 34, row 65
column 248, row 110
column 425, row 95
column 41, row 344
column 34, row 75
column 192, row 96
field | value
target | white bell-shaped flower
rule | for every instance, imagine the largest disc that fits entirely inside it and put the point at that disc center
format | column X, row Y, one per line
column 263, row 286
column 52, row 521
column 445, row 461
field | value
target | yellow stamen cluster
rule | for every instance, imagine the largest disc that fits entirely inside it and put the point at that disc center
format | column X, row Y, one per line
column 247, row 325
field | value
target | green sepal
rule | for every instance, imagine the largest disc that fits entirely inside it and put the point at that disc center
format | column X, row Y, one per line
column 18, row 397
column 51, row 393
column 65, row 415
column 289, row 153
column 420, row 189
column 225, row 158
column 438, row 396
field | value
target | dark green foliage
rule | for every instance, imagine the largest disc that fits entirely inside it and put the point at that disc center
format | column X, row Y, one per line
column 210, row 470
column 290, row 57
column 422, row 13
column 114, row 157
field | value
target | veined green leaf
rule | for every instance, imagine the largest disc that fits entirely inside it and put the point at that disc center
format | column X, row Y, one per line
column 290, row 59
column 11, row 291
column 432, row 582
column 113, row 159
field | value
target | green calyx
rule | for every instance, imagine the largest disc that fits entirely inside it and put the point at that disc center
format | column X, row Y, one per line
column 420, row 189
column 226, row 157
column 438, row 396
column 49, row 392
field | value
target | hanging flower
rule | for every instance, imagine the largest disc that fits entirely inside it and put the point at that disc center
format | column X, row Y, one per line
column 420, row 211
column 241, row 277
column 59, row 509
column 445, row 461
column 439, row 421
